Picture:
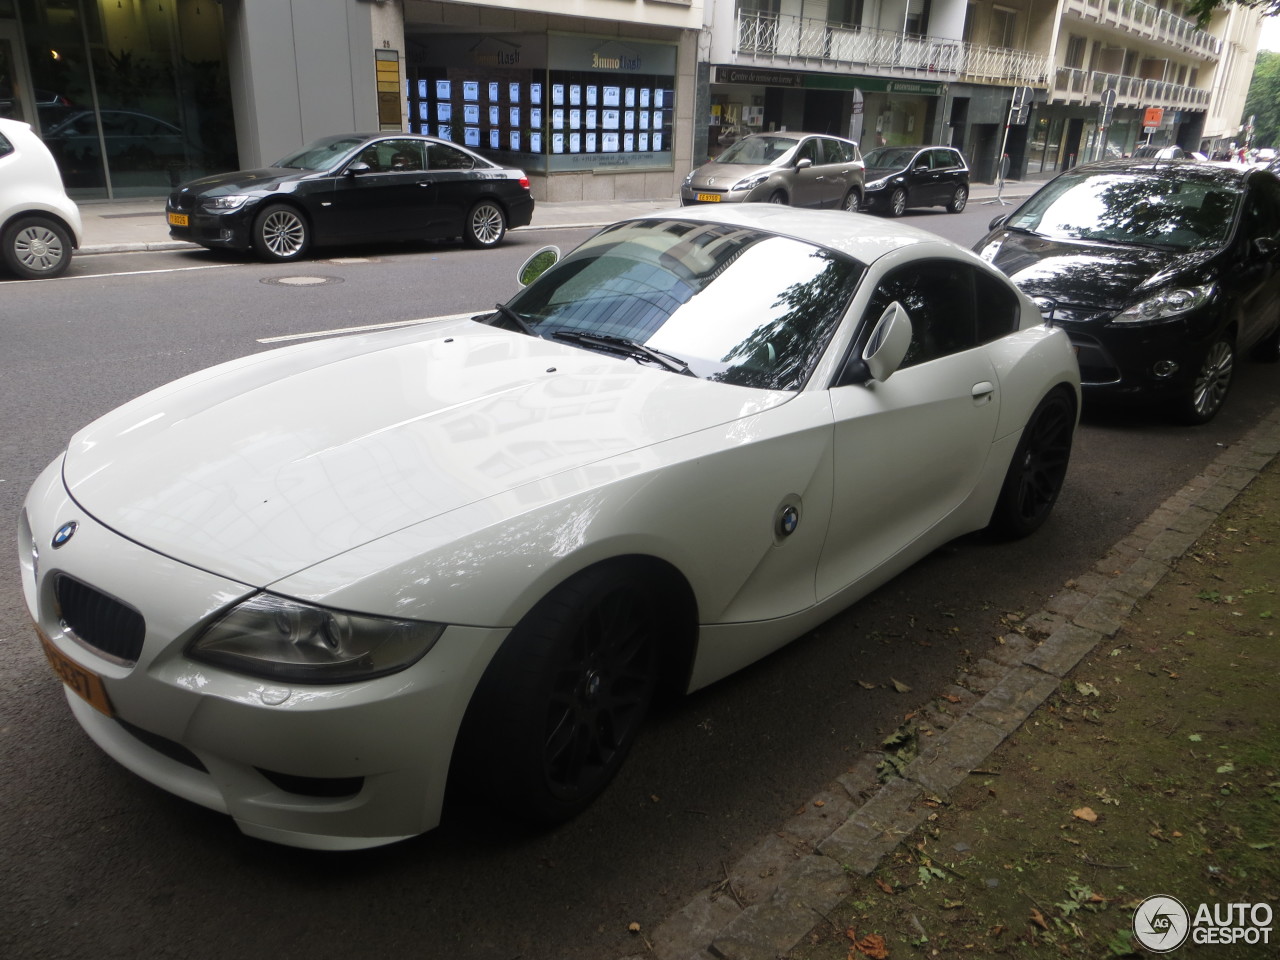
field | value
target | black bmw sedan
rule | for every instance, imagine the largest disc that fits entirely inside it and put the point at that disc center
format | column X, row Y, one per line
column 1162, row 273
column 353, row 188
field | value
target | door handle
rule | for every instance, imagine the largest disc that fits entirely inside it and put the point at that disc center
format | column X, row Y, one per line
column 424, row 183
column 983, row 392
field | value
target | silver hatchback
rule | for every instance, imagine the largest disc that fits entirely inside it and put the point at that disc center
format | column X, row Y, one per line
column 799, row 169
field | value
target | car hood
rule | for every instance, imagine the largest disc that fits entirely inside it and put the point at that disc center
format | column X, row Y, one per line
column 725, row 175
column 879, row 173
column 1086, row 275
column 238, row 181
column 259, row 468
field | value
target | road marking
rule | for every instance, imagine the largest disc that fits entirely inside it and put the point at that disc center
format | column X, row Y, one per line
column 131, row 273
column 371, row 326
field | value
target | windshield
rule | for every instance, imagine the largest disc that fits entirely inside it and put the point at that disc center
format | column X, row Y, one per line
column 1139, row 208
column 736, row 305
column 757, row 151
column 889, row 157
column 320, row 154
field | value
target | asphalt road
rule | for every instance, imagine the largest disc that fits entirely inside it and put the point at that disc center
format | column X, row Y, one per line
column 95, row 862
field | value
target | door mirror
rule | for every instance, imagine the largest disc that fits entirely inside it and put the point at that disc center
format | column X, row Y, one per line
column 1265, row 246
column 538, row 264
column 998, row 221
column 803, row 162
column 356, row 168
column 920, row 168
column 885, row 349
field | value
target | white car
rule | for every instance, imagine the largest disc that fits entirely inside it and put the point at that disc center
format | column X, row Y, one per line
column 39, row 223
column 312, row 587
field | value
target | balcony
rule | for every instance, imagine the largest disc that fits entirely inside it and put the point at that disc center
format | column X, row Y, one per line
column 1086, row 86
column 770, row 40
column 1144, row 20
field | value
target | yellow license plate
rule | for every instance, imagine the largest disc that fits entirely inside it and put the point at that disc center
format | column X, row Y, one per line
column 178, row 220
column 708, row 198
column 84, row 682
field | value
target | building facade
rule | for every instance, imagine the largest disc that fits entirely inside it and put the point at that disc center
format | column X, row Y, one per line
column 603, row 99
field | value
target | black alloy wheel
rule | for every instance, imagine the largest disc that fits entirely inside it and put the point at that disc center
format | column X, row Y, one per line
column 1038, row 468
column 1208, row 391
column 897, row 202
column 562, row 701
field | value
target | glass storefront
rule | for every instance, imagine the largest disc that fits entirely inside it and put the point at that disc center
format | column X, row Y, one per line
column 547, row 103
column 131, row 98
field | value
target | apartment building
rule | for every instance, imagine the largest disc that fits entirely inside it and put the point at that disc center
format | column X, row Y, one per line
column 910, row 71
column 602, row 99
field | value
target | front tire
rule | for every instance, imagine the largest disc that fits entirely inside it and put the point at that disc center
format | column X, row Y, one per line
column 897, row 202
column 36, row 248
column 778, row 196
column 958, row 200
column 280, row 234
column 486, row 225
column 1208, row 390
column 1038, row 468
column 561, row 702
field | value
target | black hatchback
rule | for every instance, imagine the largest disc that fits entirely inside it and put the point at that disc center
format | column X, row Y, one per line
column 354, row 188
column 922, row 176
column 1160, row 272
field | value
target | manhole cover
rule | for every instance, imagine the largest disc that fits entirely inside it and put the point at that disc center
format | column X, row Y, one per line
column 300, row 281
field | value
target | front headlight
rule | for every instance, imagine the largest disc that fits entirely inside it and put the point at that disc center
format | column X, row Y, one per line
column 750, row 183
column 1165, row 304
column 281, row 639
column 877, row 184
column 223, row 204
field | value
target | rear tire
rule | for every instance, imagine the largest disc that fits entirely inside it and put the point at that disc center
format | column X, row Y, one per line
column 958, row 200
column 486, row 225
column 561, row 702
column 1038, row 468
column 36, row 247
column 852, row 202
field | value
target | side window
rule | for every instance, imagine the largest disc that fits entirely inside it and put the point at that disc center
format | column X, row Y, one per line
column 809, row 151
column 835, row 151
column 1262, row 209
column 998, row 308
column 921, row 159
column 401, row 156
column 938, row 296
column 942, row 159
column 443, row 157
column 6, row 147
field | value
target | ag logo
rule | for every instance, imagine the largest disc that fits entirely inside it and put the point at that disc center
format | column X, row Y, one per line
column 1161, row 924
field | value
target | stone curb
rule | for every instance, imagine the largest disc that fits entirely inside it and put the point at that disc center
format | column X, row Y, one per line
column 785, row 885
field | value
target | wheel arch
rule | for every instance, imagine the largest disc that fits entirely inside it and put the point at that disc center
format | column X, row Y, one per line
column 47, row 214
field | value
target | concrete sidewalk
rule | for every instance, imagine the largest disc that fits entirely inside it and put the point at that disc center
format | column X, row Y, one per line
column 125, row 226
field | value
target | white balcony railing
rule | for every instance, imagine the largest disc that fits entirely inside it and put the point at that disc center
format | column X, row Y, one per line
column 773, row 38
column 1144, row 20
column 1087, row 86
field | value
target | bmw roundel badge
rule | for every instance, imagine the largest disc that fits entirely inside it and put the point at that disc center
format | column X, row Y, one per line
column 788, row 520
column 64, row 533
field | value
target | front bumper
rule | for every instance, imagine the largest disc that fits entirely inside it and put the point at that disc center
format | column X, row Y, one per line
column 229, row 231
column 1153, row 360
column 328, row 767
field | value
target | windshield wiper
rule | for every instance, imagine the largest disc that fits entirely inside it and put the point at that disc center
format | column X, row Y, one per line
column 521, row 323
column 632, row 348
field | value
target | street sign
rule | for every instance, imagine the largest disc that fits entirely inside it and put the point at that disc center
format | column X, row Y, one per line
column 1153, row 117
column 1106, row 107
column 1020, row 108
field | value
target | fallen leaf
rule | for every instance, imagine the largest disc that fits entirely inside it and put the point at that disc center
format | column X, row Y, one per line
column 886, row 887
column 899, row 686
column 951, row 698
column 866, row 686
column 1086, row 814
column 1087, row 689
column 819, row 803
column 633, row 927
column 873, row 946
column 1038, row 919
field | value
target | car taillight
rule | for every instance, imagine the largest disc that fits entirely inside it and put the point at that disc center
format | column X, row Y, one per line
column 524, row 182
